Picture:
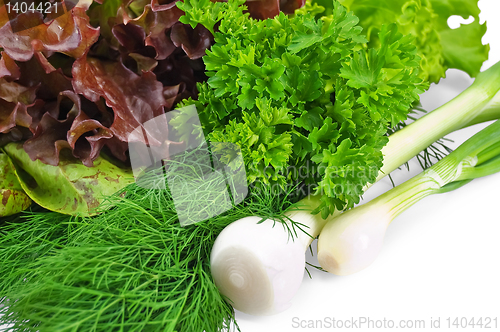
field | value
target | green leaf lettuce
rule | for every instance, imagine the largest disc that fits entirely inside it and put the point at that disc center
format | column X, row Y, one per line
column 13, row 198
column 438, row 45
column 71, row 187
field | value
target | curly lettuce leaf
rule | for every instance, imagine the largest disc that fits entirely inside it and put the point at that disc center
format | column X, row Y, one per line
column 69, row 187
column 134, row 99
column 70, row 34
column 462, row 47
column 8, row 67
column 426, row 20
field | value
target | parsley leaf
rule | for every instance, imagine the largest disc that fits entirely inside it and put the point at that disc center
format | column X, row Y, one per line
column 301, row 93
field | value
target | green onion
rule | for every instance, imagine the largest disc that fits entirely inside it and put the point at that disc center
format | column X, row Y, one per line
column 478, row 103
column 352, row 241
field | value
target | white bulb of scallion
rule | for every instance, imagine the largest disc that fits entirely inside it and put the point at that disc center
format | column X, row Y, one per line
column 258, row 266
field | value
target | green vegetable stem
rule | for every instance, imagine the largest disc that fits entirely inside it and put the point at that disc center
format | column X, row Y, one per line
column 352, row 241
column 478, row 103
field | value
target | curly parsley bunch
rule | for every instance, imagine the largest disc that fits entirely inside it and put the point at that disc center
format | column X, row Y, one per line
column 308, row 105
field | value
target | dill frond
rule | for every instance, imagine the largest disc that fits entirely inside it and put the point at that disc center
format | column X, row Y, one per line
column 133, row 267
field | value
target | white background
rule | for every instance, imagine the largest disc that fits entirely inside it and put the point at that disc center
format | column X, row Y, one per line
column 441, row 257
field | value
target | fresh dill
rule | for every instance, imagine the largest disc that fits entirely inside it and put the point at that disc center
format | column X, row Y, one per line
column 133, row 267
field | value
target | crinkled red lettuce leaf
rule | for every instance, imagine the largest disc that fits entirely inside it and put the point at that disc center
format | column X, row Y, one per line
column 49, row 136
column 154, row 23
column 49, row 81
column 8, row 67
column 134, row 98
column 12, row 115
column 69, row 33
column 193, row 42
column 84, row 80
column 86, row 136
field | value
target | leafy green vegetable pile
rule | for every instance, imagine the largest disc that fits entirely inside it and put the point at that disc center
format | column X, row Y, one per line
column 132, row 268
column 112, row 66
column 298, row 91
column 294, row 89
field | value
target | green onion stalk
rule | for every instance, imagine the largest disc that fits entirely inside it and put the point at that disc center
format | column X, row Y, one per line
column 478, row 103
column 352, row 241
